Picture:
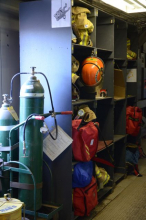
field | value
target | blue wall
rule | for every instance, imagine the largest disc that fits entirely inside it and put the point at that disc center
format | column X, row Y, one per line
column 49, row 50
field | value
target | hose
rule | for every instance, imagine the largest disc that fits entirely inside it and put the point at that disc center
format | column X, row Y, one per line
column 55, row 121
column 34, row 114
column 11, row 86
column 24, row 147
column 48, row 89
column 25, row 124
column 11, row 98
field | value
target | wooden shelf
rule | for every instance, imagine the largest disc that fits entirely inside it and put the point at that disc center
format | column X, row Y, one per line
column 82, row 47
column 104, row 50
column 82, row 101
column 118, row 137
column 131, row 97
column 101, row 145
column 104, row 53
column 103, row 98
column 120, row 59
column 119, row 99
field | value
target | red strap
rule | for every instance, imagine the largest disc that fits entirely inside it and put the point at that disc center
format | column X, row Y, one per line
column 99, row 160
column 67, row 113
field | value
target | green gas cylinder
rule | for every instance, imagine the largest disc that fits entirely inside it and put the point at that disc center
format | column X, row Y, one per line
column 31, row 101
column 7, row 122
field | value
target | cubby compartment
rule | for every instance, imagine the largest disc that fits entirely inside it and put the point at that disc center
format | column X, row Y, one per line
column 143, row 83
column 119, row 159
column 131, row 78
column 91, row 17
column 107, row 155
column 108, row 77
column 105, row 32
column 132, row 34
column 103, row 53
column 119, row 80
column 120, row 39
column 89, row 92
column 119, row 119
column 105, row 117
column 81, row 53
column 92, row 104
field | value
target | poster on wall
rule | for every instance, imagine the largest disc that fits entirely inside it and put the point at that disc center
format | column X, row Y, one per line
column 60, row 13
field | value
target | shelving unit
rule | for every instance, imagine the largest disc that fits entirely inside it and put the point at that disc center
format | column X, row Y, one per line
column 109, row 43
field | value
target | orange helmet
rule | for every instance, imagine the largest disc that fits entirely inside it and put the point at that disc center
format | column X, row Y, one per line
column 92, row 71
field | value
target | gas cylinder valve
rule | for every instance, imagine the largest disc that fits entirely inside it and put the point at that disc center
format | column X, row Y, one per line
column 6, row 100
column 7, row 196
column 33, row 70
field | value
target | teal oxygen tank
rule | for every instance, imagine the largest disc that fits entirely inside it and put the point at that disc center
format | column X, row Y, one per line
column 31, row 101
column 7, row 121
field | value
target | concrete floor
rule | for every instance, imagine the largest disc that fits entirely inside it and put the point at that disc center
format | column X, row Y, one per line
column 128, row 200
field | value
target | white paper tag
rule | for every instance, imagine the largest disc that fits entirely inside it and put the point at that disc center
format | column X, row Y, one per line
column 92, row 141
column 131, row 75
column 53, row 148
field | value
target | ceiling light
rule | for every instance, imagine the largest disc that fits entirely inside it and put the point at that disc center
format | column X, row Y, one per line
column 142, row 2
column 135, row 3
column 128, row 6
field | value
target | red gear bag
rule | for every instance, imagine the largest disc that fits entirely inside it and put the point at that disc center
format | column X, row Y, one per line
column 85, row 140
column 85, row 199
column 133, row 120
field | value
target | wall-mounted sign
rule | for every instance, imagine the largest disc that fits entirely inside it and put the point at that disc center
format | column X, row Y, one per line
column 60, row 13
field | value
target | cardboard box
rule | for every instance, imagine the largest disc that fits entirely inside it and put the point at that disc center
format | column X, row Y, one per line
column 119, row 84
column 131, row 75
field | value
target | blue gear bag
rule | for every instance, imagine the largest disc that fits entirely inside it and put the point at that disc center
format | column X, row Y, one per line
column 82, row 174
